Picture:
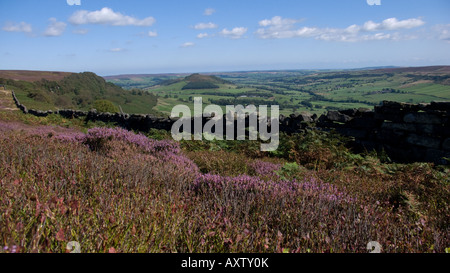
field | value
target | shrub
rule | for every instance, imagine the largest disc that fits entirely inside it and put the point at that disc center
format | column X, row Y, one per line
column 105, row 106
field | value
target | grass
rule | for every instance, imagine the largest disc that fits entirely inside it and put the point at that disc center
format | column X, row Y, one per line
column 339, row 89
column 437, row 91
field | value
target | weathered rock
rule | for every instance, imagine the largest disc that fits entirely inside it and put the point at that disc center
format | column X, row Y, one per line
column 446, row 144
column 393, row 104
column 338, row 117
column 398, row 126
column 440, row 105
column 364, row 110
column 349, row 112
column 388, row 117
column 306, row 117
column 423, row 141
column 422, row 117
column 391, row 136
column 363, row 122
column 294, row 116
column 323, row 118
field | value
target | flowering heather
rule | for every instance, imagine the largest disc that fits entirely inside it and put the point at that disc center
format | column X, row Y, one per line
column 7, row 249
column 114, row 189
column 94, row 135
column 57, row 132
column 263, row 168
column 283, row 188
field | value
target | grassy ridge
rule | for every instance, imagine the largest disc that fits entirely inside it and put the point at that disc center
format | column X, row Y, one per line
column 79, row 91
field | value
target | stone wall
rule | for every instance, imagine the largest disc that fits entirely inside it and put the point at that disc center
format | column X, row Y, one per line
column 406, row 132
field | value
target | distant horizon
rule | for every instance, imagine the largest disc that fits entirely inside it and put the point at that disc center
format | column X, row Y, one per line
column 232, row 71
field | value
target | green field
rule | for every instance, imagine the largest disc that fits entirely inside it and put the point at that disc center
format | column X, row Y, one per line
column 295, row 91
column 303, row 90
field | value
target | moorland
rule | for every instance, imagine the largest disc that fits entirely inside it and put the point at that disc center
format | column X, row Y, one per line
column 113, row 190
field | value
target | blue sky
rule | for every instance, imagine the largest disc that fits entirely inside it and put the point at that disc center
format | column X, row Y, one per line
column 121, row 37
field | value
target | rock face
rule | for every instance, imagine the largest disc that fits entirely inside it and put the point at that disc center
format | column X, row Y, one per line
column 406, row 132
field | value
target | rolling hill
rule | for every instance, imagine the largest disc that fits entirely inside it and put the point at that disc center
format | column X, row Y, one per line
column 61, row 90
column 197, row 81
column 313, row 91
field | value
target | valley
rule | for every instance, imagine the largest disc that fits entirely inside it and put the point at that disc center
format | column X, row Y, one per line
column 313, row 91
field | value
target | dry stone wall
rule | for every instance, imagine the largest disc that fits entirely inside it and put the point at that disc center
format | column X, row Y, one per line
column 406, row 132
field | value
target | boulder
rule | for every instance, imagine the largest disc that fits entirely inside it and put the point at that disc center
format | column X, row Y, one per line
column 349, row 112
column 308, row 117
column 337, row 116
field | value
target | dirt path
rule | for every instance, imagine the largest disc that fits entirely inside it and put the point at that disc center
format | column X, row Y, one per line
column 6, row 101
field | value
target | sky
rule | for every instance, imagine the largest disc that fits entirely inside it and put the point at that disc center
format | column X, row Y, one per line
column 173, row 36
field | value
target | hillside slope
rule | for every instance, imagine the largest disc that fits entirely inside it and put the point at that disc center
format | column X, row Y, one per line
column 59, row 90
column 31, row 76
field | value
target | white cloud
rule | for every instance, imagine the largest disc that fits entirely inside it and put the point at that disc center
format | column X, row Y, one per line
column 205, row 25
column 393, row 24
column 202, row 35
column 107, row 16
column 271, row 33
column 278, row 21
column 209, row 11
column 235, row 33
column 282, row 28
column 80, row 31
column 279, row 27
column 20, row 27
column 445, row 35
column 188, row 44
column 441, row 32
column 152, row 34
column 55, row 28
column 117, row 49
